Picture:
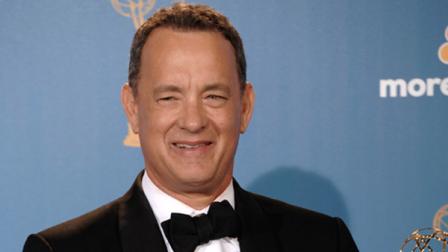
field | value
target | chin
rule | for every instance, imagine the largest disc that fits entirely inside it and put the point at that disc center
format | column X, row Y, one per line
column 194, row 179
column 201, row 182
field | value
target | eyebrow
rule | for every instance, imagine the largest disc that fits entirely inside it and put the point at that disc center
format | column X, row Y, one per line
column 217, row 86
column 167, row 88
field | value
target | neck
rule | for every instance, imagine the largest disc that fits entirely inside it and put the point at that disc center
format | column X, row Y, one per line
column 197, row 196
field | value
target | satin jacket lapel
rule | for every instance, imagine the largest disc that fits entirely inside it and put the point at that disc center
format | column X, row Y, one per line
column 256, row 233
column 138, row 226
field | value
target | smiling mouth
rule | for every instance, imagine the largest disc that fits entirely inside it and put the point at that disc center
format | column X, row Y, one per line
column 191, row 146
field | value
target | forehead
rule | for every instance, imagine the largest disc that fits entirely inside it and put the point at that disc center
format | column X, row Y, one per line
column 168, row 52
column 163, row 39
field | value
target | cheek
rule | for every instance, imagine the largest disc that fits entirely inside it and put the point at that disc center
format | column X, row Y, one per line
column 155, row 121
column 227, row 120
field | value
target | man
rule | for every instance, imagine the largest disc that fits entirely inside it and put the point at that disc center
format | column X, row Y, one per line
column 189, row 101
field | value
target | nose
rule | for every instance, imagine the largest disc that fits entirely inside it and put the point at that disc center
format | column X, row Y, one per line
column 193, row 117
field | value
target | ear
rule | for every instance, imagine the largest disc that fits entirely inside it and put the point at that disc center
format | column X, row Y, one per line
column 129, row 102
column 248, row 100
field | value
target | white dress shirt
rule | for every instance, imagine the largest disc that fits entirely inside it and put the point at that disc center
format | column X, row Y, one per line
column 163, row 205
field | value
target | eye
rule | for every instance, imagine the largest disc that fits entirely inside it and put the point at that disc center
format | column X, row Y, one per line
column 166, row 99
column 216, row 97
column 215, row 100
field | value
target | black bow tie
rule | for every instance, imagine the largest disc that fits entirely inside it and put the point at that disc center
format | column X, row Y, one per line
column 185, row 233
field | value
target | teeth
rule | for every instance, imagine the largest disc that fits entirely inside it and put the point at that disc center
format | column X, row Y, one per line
column 189, row 146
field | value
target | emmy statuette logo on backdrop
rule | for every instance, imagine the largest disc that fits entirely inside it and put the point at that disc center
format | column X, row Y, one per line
column 136, row 10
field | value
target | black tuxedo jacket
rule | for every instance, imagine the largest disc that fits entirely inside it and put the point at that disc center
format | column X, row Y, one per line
column 128, row 224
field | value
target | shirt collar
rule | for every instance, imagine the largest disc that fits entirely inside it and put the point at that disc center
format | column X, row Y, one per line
column 163, row 204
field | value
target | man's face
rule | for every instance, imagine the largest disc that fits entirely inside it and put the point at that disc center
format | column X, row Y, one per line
column 189, row 110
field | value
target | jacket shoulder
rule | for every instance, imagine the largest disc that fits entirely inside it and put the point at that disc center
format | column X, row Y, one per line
column 294, row 224
column 277, row 208
column 92, row 231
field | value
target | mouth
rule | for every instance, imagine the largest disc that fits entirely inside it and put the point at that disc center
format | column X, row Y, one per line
column 191, row 145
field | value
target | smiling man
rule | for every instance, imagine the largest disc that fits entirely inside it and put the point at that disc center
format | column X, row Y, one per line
column 188, row 107
column 188, row 100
